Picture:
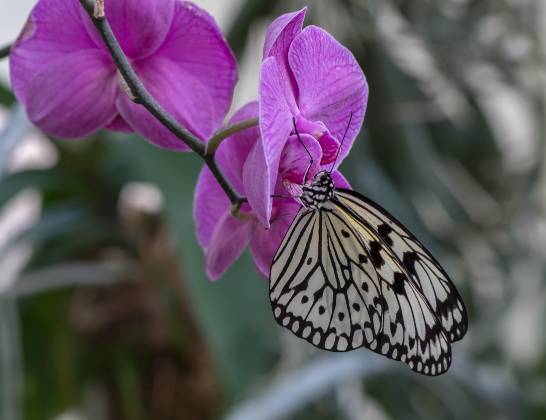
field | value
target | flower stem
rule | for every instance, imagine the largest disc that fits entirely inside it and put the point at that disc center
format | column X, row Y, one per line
column 216, row 140
column 4, row 51
column 144, row 98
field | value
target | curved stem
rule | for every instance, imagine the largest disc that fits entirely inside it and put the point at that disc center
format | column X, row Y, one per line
column 140, row 95
column 4, row 51
column 216, row 140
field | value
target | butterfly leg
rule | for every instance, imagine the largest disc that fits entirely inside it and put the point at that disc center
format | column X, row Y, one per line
column 282, row 197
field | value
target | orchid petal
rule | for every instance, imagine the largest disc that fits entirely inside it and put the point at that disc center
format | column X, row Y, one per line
column 180, row 93
column 256, row 181
column 196, row 45
column 282, row 31
column 233, row 151
column 279, row 36
column 298, row 160
column 210, row 203
column 74, row 96
column 119, row 124
column 140, row 26
column 332, row 86
column 265, row 242
column 229, row 239
column 275, row 127
column 44, row 40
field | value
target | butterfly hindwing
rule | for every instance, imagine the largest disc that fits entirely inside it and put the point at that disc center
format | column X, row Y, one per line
column 427, row 274
column 308, row 296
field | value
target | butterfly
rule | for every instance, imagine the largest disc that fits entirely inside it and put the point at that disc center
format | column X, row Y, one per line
column 348, row 275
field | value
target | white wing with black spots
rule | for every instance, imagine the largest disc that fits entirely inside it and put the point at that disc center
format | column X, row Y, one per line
column 421, row 267
column 335, row 283
column 305, row 287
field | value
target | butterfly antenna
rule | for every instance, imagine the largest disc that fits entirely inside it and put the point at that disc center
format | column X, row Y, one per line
column 311, row 161
column 342, row 140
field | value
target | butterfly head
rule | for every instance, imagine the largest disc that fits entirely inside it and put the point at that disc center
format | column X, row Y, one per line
column 319, row 191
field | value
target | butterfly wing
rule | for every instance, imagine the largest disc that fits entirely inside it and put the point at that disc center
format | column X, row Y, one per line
column 327, row 286
column 422, row 268
column 305, row 290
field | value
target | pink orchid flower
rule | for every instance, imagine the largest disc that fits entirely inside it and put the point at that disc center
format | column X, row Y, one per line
column 306, row 76
column 63, row 74
column 223, row 236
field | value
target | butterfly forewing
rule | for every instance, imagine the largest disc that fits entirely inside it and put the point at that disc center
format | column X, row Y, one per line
column 422, row 268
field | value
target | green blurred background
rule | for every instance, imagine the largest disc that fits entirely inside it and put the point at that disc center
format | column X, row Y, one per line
column 105, row 310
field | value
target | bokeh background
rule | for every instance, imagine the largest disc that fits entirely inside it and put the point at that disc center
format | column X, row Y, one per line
column 105, row 310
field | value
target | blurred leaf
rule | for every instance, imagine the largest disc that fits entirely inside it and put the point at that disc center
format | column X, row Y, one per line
column 6, row 96
column 127, row 373
column 65, row 232
column 73, row 274
column 49, row 346
column 40, row 179
column 249, row 12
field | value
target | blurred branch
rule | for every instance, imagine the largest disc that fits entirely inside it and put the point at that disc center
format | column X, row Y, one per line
column 4, row 51
column 140, row 95
column 76, row 274
column 294, row 390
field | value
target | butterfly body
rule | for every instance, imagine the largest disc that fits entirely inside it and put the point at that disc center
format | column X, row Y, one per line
column 349, row 275
column 320, row 191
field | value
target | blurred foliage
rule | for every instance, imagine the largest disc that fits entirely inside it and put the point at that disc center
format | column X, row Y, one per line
column 453, row 145
column 6, row 96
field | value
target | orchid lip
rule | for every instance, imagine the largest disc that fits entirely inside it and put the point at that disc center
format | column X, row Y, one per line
column 316, row 129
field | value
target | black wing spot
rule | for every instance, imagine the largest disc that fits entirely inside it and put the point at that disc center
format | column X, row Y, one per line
column 362, row 259
column 375, row 254
column 379, row 301
column 304, row 299
column 393, row 328
column 408, row 260
column 341, row 316
column 321, row 310
column 309, row 261
column 398, row 285
column 365, row 286
column 384, row 230
column 356, row 307
column 345, row 233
